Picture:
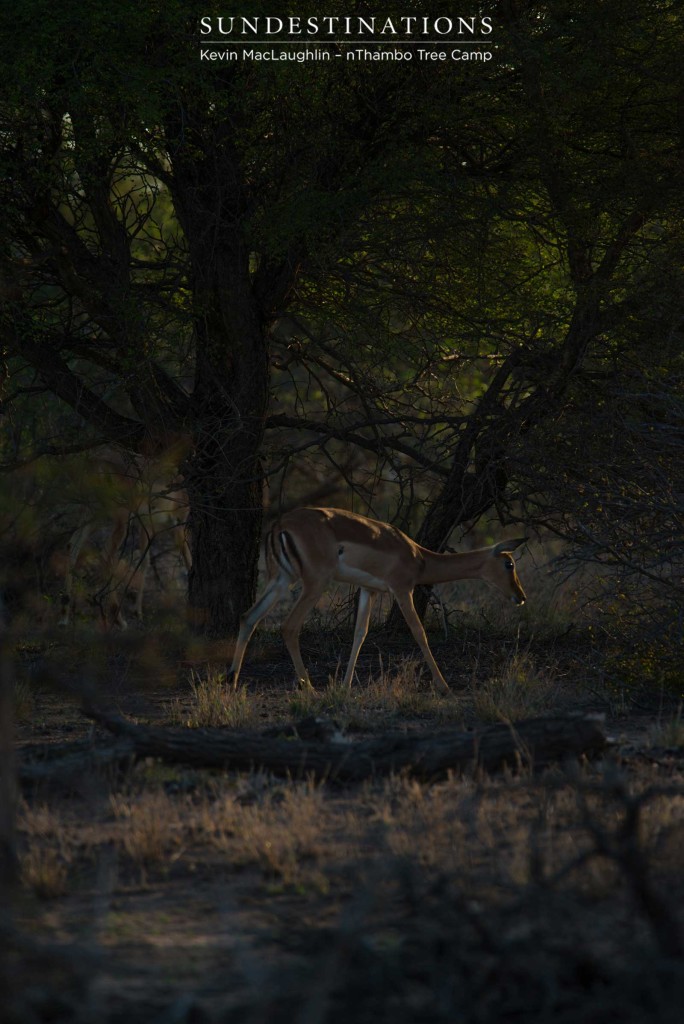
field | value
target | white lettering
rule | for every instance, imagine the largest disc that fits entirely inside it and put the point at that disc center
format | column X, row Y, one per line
column 483, row 55
column 218, row 55
column 361, row 53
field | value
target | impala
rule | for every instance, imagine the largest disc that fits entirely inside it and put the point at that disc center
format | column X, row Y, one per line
column 320, row 545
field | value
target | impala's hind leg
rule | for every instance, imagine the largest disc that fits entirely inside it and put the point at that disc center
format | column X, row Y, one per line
column 276, row 590
column 292, row 626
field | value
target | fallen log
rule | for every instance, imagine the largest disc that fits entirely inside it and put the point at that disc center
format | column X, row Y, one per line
column 534, row 742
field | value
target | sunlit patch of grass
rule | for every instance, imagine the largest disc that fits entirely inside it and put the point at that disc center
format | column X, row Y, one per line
column 151, row 828
column 214, row 704
column 280, row 832
column 41, row 821
column 519, row 690
column 44, row 871
column 402, row 690
column 333, row 699
column 398, row 690
column 43, row 866
column 420, row 824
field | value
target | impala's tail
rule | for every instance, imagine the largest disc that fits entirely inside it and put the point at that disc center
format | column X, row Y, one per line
column 282, row 554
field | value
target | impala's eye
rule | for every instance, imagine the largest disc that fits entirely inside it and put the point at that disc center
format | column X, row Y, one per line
column 509, row 565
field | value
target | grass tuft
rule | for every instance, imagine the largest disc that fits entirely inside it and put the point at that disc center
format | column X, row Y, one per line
column 151, row 826
column 44, row 871
column 214, row 704
column 335, row 698
column 43, row 866
column 399, row 690
column 280, row 833
column 519, row 690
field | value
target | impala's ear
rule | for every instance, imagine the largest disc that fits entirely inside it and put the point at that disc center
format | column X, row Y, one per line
column 508, row 545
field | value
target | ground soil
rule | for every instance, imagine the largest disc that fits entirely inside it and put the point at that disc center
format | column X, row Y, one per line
column 211, row 933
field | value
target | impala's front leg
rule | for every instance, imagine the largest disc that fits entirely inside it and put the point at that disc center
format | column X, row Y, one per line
column 366, row 599
column 405, row 602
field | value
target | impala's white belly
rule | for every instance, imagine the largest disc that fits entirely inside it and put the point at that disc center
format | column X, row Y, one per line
column 346, row 573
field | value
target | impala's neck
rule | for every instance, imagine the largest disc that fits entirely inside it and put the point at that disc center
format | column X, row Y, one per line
column 438, row 568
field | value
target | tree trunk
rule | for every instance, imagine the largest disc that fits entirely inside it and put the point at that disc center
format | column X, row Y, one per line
column 224, row 491
column 230, row 395
column 223, row 474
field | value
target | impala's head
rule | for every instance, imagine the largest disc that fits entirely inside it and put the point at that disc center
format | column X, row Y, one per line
column 501, row 571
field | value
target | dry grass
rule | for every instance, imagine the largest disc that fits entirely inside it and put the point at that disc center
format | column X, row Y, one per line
column 518, row 690
column 333, row 699
column 398, row 893
column 395, row 893
column 44, row 871
column 41, row 821
column 490, row 835
column 403, row 689
column 277, row 829
column 47, row 851
column 407, row 690
column 494, row 836
column 280, row 832
column 425, row 825
column 150, row 826
column 214, row 704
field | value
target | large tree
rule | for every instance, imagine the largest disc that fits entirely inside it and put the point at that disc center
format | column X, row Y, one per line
column 437, row 260
column 157, row 218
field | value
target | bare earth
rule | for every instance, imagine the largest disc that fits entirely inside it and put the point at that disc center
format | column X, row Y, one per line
column 159, row 892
